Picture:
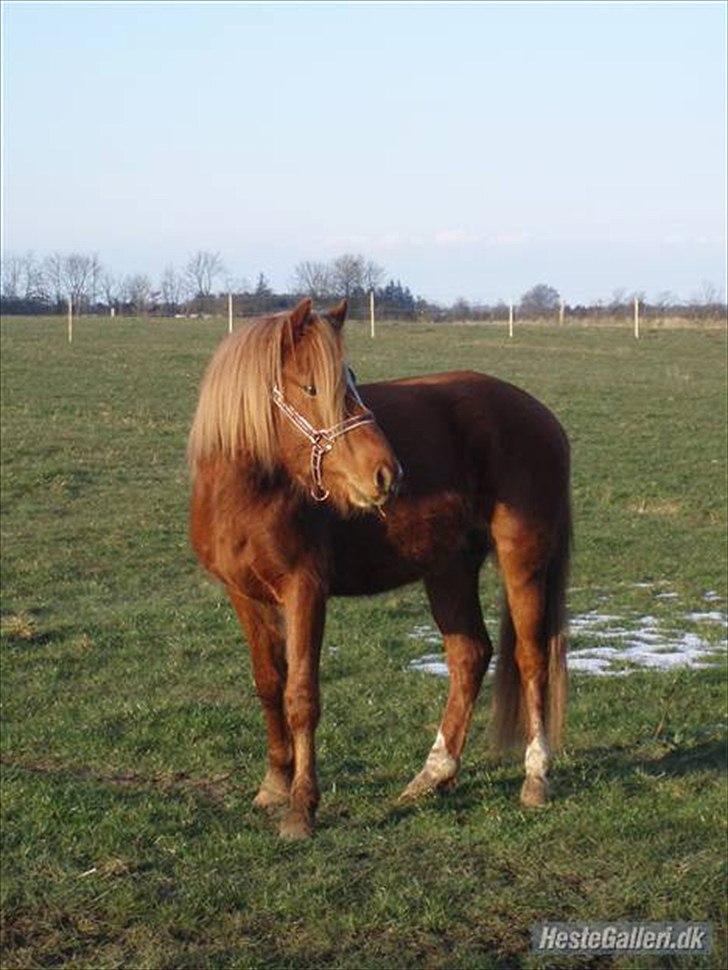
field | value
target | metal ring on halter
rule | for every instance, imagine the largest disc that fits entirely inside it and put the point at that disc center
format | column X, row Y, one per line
column 322, row 439
column 321, row 446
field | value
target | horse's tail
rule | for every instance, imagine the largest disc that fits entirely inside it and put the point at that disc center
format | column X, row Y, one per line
column 508, row 708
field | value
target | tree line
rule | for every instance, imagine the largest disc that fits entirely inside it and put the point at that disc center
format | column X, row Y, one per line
column 40, row 285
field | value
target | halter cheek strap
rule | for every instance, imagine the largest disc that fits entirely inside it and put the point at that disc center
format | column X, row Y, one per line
column 322, row 439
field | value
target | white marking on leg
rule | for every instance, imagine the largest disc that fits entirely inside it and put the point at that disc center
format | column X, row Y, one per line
column 440, row 767
column 440, row 763
column 537, row 757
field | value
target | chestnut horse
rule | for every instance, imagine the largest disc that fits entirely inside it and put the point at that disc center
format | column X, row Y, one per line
column 305, row 487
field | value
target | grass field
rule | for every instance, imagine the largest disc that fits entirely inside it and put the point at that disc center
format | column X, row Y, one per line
column 132, row 741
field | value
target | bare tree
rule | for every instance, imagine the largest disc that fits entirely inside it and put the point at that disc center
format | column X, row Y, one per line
column 708, row 293
column 539, row 300
column 461, row 309
column 76, row 272
column 137, row 290
column 94, row 277
column 313, row 278
column 172, row 287
column 372, row 275
column 54, row 277
column 23, row 277
column 202, row 269
column 31, row 277
column 109, row 289
column 618, row 300
column 12, row 275
column 664, row 300
column 34, row 279
column 347, row 274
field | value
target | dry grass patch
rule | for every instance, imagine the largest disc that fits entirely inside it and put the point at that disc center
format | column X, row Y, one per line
column 19, row 626
column 656, row 506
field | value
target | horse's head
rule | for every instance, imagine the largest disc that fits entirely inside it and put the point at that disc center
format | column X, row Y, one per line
column 329, row 441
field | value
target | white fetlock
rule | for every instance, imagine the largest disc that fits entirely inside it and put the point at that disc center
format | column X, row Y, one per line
column 535, row 790
column 440, row 770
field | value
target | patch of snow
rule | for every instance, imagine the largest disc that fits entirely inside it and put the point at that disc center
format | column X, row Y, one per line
column 647, row 621
column 431, row 663
column 642, row 637
column 708, row 616
column 425, row 633
column 591, row 619
column 640, row 643
column 597, row 666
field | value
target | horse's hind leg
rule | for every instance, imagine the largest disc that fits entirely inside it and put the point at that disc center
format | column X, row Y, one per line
column 456, row 608
column 263, row 629
column 523, row 556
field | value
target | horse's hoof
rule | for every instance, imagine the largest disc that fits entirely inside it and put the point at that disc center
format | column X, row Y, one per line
column 269, row 799
column 424, row 784
column 296, row 826
column 535, row 792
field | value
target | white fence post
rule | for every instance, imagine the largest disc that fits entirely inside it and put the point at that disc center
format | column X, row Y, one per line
column 70, row 320
column 561, row 311
column 371, row 314
column 510, row 319
column 637, row 318
column 230, row 313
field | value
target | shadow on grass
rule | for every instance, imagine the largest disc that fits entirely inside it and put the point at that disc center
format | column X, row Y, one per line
column 593, row 767
column 597, row 765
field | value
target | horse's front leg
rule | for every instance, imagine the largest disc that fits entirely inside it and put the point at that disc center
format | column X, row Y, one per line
column 304, row 606
column 262, row 624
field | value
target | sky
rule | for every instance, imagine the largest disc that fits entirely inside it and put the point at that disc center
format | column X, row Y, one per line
column 472, row 150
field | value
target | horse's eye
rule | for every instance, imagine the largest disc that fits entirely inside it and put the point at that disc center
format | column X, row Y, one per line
column 310, row 390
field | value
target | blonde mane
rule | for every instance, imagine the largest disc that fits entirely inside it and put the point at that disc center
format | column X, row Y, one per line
column 234, row 417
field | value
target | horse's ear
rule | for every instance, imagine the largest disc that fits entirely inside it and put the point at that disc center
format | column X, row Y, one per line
column 300, row 318
column 337, row 314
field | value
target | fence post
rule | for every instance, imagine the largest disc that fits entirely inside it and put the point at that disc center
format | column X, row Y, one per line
column 637, row 318
column 70, row 320
column 561, row 312
column 371, row 314
column 230, row 313
column 510, row 319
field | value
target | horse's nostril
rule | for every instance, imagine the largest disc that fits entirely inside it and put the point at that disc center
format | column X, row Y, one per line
column 383, row 478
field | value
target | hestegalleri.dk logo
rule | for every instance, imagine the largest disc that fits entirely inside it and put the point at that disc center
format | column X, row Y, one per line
column 603, row 937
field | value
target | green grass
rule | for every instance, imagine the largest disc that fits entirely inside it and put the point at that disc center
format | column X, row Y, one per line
column 132, row 741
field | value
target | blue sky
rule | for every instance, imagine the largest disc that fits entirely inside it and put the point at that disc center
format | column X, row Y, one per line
column 471, row 149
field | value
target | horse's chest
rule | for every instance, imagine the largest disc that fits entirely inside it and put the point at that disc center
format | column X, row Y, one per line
column 424, row 531
column 418, row 535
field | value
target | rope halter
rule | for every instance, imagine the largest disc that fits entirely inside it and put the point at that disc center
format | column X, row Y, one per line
column 322, row 439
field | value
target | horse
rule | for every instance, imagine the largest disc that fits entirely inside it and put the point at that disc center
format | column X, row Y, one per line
column 306, row 485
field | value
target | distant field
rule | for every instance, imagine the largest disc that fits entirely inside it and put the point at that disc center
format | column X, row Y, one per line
column 132, row 742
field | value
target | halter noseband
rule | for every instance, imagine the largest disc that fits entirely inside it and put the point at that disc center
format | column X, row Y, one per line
column 322, row 439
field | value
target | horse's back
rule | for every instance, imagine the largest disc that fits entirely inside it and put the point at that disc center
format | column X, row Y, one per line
column 464, row 426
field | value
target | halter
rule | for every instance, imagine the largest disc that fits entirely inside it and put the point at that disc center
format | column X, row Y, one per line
column 322, row 439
